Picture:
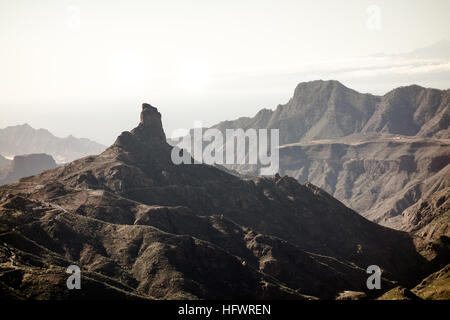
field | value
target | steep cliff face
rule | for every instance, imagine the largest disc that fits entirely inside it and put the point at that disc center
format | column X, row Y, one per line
column 379, row 179
column 160, row 230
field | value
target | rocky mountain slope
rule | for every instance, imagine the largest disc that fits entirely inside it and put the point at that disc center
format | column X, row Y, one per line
column 23, row 139
column 140, row 226
column 429, row 223
column 434, row 287
column 24, row 166
column 426, row 217
column 379, row 155
column 379, row 178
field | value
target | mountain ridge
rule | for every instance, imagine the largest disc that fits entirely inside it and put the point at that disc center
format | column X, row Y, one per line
column 312, row 112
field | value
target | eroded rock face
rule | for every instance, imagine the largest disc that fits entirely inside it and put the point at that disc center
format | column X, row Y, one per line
column 429, row 222
column 379, row 179
column 160, row 230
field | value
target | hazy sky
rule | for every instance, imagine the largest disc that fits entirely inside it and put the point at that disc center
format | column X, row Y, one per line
column 85, row 67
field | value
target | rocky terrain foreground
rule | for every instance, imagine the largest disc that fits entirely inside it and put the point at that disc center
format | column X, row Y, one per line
column 141, row 227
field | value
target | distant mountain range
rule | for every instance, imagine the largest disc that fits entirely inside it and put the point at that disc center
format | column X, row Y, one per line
column 377, row 154
column 322, row 110
column 437, row 50
column 23, row 139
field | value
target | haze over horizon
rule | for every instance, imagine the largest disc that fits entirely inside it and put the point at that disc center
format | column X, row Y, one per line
column 84, row 67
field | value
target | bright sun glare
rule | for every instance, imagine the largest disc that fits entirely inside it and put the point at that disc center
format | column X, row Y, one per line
column 193, row 75
column 126, row 68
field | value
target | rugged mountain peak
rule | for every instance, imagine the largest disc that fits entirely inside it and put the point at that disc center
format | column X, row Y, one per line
column 410, row 90
column 146, row 141
column 150, row 128
column 150, row 115
column 25, row 125
column 316, row 86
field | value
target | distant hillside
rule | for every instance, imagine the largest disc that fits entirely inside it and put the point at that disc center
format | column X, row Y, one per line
column 412, row 111
column 25, row 166
column 379, row 155
column 3, row 161
column 23, row 139
column 438, row 50
column 328, row 110
column 378, row 178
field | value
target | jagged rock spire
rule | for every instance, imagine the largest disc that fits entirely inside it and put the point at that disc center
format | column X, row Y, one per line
column 150, row 128
column 147, row 136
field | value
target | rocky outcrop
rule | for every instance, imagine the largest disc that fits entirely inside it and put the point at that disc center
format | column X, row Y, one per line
column 160, row 230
